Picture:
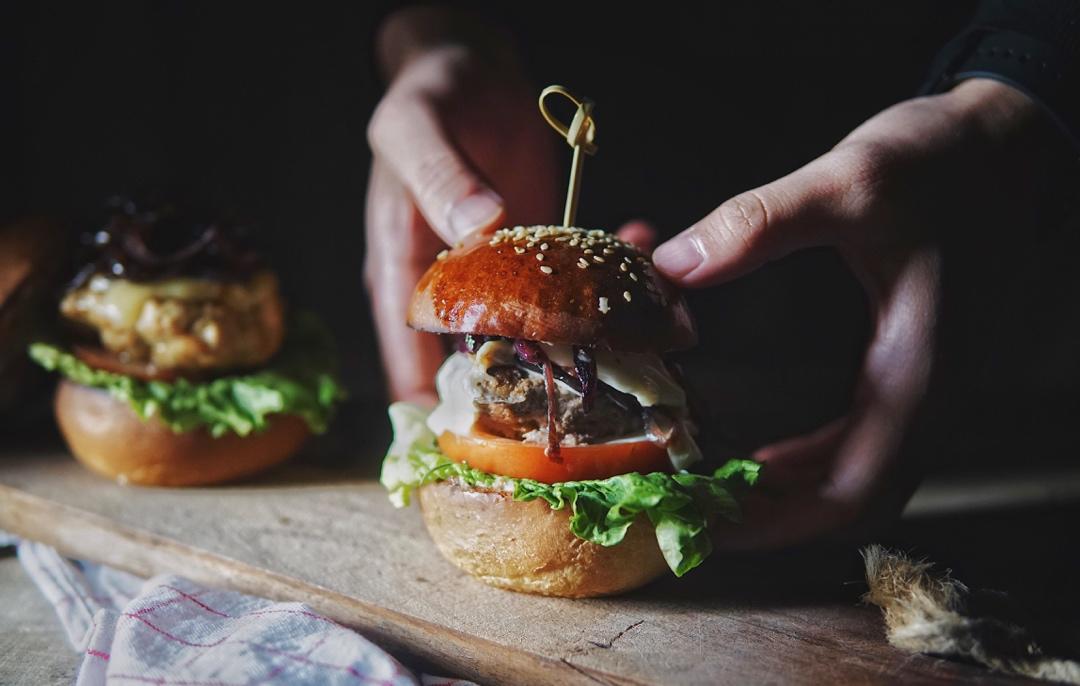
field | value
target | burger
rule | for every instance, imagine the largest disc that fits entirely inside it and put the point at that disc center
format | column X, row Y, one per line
column 558, row 460
column 180, row 366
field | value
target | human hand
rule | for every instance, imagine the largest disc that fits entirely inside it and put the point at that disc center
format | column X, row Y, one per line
column 458, row 147
column 884, row 198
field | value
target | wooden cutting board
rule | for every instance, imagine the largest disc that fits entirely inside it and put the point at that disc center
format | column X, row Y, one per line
column 328, row 537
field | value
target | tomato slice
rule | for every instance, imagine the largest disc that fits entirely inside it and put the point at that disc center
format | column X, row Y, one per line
column 104, row 360
column 507, row 457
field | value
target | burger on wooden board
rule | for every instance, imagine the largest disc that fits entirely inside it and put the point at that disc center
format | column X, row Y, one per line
column 182, row 367
column 558, row 460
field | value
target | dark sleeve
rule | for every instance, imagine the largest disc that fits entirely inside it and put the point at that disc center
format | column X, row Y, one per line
column 1033, row 45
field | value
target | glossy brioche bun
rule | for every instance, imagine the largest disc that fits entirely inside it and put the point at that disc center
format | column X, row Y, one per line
column 106, row 435
column 528, row 547
column 496, row 285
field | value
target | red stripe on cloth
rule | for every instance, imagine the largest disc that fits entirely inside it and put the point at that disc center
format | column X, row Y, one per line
column 299, row 658
column 269, row 677
column 171, row 637
column 157, row 606
column 299, row 612
column 315, row 663
column 162, row 681
column 97, row 653
column 281, row 667
column 197, row 601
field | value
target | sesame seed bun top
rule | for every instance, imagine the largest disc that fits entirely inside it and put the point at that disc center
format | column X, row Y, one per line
column 553, row 284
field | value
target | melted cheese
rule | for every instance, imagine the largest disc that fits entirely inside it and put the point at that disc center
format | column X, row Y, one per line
column 643, row 376
column 494, row 353
column 120, row 301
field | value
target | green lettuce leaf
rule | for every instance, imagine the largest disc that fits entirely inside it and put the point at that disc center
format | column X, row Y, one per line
column 301, row 380
column 601, row 510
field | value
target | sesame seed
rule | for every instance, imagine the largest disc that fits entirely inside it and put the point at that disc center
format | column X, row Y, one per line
column 627, row 260
column 540, row 256
column 597, row 258
column 546, row 269
column 519, row 250
column 583, row 265
column 543, row 246
column 588, row 252
column 609, row 251
column 603, row 307
column 623, row 267
column 442, row 255
column 626, row 296
column 633, row 276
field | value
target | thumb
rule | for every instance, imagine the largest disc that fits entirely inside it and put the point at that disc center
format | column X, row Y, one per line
column 407, row 136
column 753, row 228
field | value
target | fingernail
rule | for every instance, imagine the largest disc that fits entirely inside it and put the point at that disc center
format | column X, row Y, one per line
column 678, row 257
column 474, row 212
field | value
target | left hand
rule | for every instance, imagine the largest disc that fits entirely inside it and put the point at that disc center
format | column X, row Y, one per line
column 459, row 147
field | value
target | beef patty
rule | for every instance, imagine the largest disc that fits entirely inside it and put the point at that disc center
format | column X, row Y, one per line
column 512, row 403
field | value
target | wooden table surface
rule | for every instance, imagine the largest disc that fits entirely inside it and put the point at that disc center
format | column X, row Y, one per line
column 329, row 537
column 33, row 648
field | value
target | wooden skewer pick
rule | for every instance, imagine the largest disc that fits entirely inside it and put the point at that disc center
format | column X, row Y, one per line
column 580, row 134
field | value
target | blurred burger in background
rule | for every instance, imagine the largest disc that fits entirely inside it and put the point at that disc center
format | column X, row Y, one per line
column 179, row 363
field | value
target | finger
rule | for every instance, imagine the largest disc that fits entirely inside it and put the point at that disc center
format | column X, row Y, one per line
column 894, row 377
column 792, row 502
column 639, row 234
column 400, row 247
column 784, row 507
column 794, row 463
column 755, row 227
column 406, row 134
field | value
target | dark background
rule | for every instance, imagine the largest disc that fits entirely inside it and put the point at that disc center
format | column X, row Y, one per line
column 264, row 109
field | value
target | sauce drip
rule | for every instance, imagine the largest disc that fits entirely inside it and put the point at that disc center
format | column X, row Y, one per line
column 585, row 368
column 533, row 354
column 552, row 450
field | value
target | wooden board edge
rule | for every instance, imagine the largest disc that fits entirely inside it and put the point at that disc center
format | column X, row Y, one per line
column 86, row 535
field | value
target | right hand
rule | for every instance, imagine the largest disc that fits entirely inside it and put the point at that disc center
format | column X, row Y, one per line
column 920, row 175
column 459, row 147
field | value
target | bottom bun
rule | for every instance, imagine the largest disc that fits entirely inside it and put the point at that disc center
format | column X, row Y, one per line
column 528, row 547
column 107, row 436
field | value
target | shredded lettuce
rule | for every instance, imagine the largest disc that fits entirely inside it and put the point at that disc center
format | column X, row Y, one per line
column 300, row 380
column 601, row 511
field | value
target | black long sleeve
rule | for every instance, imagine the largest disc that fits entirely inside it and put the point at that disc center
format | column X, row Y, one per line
column 1033, row 45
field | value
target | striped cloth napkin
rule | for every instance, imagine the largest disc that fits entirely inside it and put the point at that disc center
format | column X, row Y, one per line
column 170, row 631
